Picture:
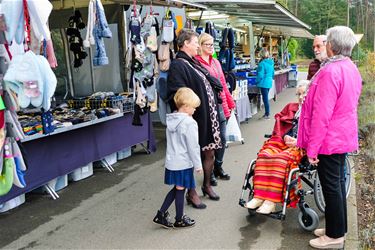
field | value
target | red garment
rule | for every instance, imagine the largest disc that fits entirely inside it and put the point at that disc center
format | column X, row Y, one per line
column 214, row 68
column 284, row 119
column 313, row 68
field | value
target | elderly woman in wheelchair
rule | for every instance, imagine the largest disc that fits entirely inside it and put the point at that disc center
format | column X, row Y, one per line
column 274, row 177
column 277, row 157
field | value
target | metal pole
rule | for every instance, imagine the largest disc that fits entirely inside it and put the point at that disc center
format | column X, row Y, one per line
column 251, row 44
column 67, row 61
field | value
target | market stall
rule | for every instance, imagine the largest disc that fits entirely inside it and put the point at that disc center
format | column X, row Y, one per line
column 96, row 109
column 257, row 25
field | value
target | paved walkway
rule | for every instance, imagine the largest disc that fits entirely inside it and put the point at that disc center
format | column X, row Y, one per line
column 115, row 210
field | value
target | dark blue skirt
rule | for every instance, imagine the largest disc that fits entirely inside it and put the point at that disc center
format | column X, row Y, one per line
column 182, row 178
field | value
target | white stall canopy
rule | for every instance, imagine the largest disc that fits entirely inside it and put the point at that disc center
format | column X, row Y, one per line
column 262, row 13
column 64, row 4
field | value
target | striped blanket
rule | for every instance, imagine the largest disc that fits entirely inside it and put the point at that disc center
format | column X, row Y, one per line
column 274, row 162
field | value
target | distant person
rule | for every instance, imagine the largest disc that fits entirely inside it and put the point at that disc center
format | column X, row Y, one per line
column 182, row 157
column 265, row 74
column 320, row 52
column 328, row 130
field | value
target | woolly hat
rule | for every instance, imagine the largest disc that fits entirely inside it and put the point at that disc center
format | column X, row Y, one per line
column 13, row 12
column 39, row 11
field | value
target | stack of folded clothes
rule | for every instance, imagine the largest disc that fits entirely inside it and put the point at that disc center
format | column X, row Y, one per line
column 31, row 124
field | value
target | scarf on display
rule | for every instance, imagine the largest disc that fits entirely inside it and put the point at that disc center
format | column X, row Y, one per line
column 325, row 63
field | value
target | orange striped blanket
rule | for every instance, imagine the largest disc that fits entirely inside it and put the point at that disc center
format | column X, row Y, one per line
column 274, row 162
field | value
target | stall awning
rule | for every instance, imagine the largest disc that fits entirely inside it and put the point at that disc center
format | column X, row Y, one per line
column 65, row 4
column 261, row 12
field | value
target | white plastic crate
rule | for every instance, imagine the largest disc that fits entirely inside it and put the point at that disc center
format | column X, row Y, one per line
column 111, row 159
column 56, row 184
column 81, row 173
column 125, row 153
column 13, row 203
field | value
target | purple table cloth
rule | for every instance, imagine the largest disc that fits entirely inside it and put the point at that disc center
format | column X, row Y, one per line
column 55, row 155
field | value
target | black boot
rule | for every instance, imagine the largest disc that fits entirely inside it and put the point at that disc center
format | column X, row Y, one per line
column 213, row 180
column 219, row 173
column 163, row 220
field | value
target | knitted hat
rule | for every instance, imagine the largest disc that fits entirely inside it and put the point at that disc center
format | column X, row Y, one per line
column 13, row 12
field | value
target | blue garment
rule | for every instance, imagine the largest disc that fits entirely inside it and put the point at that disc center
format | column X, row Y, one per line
column 264, row 92
column 182, row 178
column 265, row 73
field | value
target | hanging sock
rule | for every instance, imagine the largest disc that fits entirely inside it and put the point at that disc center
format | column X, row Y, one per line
column 51, row 54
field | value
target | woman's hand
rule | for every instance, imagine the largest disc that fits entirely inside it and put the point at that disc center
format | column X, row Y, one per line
column 199, row 170
column 313, row 161
column 290, row 141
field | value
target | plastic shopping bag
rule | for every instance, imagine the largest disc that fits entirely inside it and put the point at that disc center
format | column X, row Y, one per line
column 233, row 132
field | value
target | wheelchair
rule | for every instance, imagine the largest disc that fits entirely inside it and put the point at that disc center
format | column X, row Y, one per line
column 308, row 219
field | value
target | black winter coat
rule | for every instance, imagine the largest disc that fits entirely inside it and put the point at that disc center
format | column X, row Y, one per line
column 182, row 75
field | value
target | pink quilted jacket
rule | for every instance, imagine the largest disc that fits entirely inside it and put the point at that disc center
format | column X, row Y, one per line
column 328, row 122
column 214, row 68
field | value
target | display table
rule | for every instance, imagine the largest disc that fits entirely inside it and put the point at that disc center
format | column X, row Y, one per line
column 281, row 79
column 243, row 109
column 51, row 156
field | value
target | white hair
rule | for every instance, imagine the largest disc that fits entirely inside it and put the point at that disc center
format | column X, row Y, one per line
column 323, row 37
column 341, row 39
column 302, row 83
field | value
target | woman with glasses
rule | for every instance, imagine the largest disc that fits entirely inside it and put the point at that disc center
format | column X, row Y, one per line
column 186, row 71
column 206, row 49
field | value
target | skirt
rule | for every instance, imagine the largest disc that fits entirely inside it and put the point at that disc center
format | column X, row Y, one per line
column 182, row 178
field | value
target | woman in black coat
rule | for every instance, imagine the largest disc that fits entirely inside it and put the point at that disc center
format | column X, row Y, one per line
column 185, row 71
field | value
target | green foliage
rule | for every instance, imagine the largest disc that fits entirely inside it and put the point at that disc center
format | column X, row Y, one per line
column 292, row 48
column 323, row 14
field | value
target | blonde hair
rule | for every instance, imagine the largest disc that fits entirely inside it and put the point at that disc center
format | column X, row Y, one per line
column 186, row 96
column 204, row 37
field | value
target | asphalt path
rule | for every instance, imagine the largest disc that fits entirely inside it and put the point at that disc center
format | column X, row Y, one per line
column 115, row 210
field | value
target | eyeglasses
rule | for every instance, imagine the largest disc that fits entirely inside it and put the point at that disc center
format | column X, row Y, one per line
column 300, row 94
column 208, row 45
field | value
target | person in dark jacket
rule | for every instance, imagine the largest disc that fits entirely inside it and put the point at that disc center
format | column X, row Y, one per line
column 185, row 71
column 320, row 52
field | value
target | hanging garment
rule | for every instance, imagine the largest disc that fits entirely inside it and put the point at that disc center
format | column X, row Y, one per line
column 101, row 30
column 89, row 40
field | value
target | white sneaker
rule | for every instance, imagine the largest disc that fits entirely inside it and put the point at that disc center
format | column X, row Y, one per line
column 254, row 203
column 325, row 242
column 267, row 207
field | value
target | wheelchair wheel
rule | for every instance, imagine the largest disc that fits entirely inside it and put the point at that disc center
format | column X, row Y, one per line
column 309, row 221
column 318, row 192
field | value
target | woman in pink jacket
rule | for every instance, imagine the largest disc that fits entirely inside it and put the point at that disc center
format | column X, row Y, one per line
column 328, row 129
column 206, row 43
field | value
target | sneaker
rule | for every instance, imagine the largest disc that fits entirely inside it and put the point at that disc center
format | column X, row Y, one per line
column 163, row 220
column 184, row 222
column 266, row 117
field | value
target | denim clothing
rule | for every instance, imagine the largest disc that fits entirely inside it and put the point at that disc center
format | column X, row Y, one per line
column 264, row 92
